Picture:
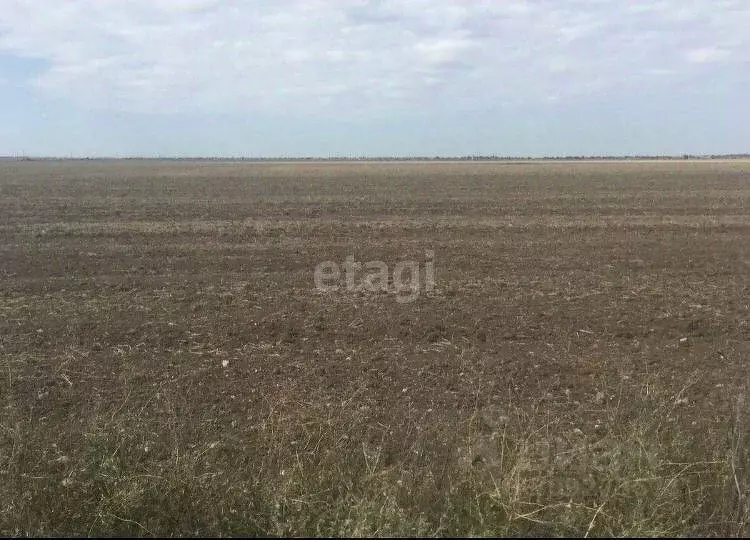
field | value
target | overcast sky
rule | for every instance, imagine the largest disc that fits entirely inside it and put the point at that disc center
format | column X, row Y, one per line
column 298, row 78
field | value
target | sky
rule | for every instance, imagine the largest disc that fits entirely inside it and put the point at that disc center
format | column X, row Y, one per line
column 374, row 78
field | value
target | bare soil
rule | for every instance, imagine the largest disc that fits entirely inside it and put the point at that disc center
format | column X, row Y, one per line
column 153, row 310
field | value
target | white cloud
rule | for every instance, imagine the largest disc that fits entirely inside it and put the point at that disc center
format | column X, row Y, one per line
column 360, row 56
column 705, row 55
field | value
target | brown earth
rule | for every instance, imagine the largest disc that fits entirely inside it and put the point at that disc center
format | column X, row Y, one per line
column 174, row 303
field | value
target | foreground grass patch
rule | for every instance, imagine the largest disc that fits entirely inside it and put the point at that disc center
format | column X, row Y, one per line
column 329, row 470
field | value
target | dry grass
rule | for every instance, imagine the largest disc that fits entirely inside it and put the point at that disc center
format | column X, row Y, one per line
column 304, row 469
column 166, row 366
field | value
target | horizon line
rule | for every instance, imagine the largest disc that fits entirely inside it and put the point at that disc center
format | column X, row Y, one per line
column 466, row 157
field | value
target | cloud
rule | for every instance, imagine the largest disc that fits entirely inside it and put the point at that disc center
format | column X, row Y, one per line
column 705, row 55
column 364, row 57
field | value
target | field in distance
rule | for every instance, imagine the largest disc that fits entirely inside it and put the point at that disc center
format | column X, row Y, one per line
column 169, row 366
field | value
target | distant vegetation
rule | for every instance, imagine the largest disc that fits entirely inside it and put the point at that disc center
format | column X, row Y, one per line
column 477, row 157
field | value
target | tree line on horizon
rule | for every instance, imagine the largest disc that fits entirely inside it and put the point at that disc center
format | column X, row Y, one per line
column 475, row 157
